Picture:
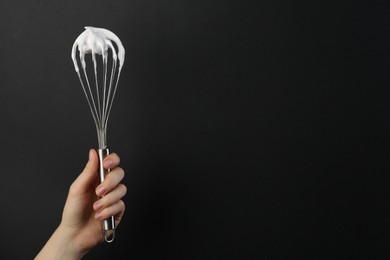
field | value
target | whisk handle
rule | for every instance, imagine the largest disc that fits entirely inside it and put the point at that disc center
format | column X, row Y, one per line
column 108, row 224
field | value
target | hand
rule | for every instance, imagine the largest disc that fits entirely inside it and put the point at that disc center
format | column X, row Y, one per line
column 88, row 203
column 83, row 211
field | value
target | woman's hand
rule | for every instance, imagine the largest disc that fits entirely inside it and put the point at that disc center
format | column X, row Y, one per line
column 88, row 204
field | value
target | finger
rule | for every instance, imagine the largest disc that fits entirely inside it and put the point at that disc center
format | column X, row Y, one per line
column 118, row 217
column 116, row 209
column 112, row 180
column 111, row 161
column 111, row 198
column 88, row 176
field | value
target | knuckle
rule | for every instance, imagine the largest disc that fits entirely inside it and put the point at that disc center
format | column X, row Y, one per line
column 123, row 189
column 122, row 205
column 121, row 173
column 73, row 189
column 115, row 157
column 116, row 176
column 108, row 181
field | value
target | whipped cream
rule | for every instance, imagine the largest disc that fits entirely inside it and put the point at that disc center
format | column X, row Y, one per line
column 97, row 41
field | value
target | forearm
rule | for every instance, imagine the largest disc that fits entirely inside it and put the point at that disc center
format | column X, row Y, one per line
column 60, row 246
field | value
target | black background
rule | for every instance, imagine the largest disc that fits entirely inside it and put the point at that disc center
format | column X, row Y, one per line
column 247, row 129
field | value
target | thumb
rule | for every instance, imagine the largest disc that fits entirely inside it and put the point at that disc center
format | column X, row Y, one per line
column 88, row 176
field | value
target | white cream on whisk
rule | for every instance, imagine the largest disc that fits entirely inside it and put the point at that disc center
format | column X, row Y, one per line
column 97, row 41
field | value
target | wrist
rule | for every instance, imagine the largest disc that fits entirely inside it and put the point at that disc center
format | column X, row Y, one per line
column 69, row 237
column 61, row 245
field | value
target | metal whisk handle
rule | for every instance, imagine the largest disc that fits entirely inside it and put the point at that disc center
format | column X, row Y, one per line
column 108, row 224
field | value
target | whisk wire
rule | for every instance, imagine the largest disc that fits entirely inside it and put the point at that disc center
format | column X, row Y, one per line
column 98, row 101
column 110, row 102
column 104, row 60
column 98, row 119
column 104, row 96
column 89, row 102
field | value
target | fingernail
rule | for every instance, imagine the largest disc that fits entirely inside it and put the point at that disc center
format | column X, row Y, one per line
column 108, row 164
column 90, row 154
column 100, row 190
column 97, row 205
column 98, row 216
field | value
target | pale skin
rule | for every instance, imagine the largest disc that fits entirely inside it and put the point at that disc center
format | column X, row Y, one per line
column 87, row 204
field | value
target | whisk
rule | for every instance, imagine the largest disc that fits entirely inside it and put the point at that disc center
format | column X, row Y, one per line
column 101, row 90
